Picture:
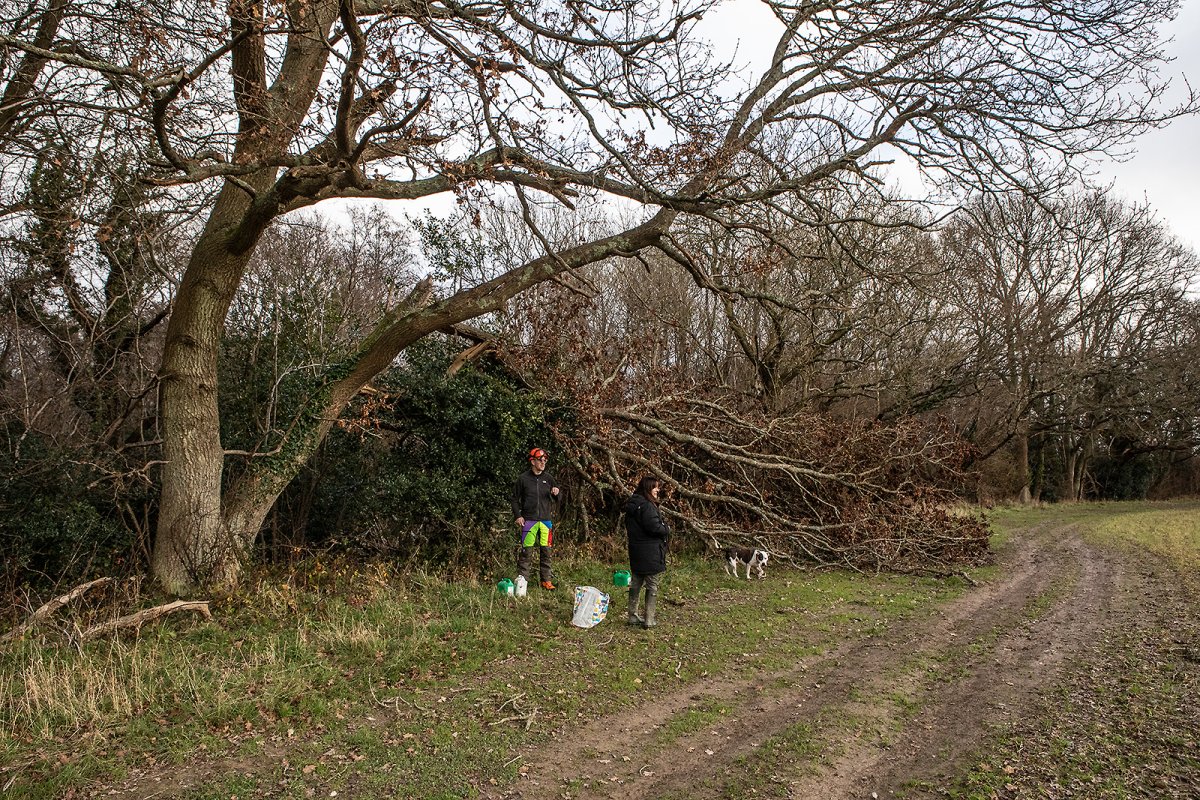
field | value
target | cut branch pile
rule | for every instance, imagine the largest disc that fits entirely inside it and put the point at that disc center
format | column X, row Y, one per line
column 806, row 487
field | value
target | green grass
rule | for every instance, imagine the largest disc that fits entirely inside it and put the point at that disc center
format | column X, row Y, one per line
column 310, row 665
column 1166, row 532
column 1121, row 723
column 692, row 719
column 370, row 684
column 782, row 753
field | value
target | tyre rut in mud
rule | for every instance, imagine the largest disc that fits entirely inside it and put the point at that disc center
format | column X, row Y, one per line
column 901, row 710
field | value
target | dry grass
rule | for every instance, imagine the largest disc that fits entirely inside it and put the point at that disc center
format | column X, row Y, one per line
column 1172, row 532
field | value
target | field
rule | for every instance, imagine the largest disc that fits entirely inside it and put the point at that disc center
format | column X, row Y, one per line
column 1064, row 670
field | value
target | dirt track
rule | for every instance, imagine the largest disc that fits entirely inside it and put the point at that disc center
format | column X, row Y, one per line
column 1068, row 642
column 897, row 715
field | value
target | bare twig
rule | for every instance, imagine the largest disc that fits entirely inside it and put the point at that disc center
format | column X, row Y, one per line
column 392, row 701
column 515, row 718
column 46, row 610
column 512, row 699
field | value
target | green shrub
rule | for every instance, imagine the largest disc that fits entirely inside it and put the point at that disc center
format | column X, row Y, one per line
column 53, row 529
column 425, row 474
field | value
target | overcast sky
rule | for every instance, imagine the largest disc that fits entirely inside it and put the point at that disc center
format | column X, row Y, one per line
column 1164, row 170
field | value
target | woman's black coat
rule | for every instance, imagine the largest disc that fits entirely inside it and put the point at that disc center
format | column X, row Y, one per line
column 647, row 536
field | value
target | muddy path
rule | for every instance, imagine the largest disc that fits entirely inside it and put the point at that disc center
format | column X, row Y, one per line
column 894, row 715
column 1050, row 648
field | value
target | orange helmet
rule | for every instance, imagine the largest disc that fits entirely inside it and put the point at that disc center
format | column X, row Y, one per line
column 536, row 452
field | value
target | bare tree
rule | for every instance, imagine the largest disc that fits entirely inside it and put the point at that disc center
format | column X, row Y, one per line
column 1130, row 275
column 647, row 393
column 83, row 300
column 284, row 106
column 1064, row 297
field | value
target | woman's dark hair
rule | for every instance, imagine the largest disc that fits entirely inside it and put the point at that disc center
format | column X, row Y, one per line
column 645, row 485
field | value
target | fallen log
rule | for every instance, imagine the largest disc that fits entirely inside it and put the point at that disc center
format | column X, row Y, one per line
column 138, row 618
column 47, row 610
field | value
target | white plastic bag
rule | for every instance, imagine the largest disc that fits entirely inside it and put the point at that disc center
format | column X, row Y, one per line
column 591, row 606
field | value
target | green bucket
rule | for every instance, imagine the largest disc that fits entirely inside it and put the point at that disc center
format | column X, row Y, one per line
column 621, row 577
column 505, row 587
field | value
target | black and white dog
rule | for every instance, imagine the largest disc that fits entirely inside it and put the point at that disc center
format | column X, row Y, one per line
column 753, row 559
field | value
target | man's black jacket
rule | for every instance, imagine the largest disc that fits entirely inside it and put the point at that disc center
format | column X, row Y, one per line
column 531, row 496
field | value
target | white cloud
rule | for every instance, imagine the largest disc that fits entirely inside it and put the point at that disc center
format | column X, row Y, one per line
column 1165, row 169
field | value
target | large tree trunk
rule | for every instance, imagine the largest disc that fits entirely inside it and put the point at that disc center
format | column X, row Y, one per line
column 204, row 537
column 193, row 544
column 1024, row 497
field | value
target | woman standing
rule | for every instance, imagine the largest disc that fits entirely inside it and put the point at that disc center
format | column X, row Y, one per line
column 647, row 548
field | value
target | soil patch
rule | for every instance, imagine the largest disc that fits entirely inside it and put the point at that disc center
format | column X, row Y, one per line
column 901, row 714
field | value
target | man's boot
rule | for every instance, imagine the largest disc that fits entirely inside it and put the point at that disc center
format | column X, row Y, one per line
column 651, row 601
column 634, row 596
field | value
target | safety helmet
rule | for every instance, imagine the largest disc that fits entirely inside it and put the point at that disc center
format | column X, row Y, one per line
column 536, row 452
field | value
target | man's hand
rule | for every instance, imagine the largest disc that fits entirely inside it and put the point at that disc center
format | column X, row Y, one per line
column 554, row 492
column 520, row 522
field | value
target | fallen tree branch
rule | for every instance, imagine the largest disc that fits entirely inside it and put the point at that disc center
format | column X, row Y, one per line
column 526, row 718
column 46, row 610
column 139, row 618
column 468, row 355
column 513, row 700
column 802, row 486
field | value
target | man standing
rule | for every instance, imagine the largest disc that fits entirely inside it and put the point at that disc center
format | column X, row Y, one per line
column 535, row 493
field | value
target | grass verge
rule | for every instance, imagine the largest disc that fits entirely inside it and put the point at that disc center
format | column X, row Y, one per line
column 369, row 684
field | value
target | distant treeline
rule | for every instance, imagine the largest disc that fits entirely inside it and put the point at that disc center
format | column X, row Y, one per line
column 829, row 391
